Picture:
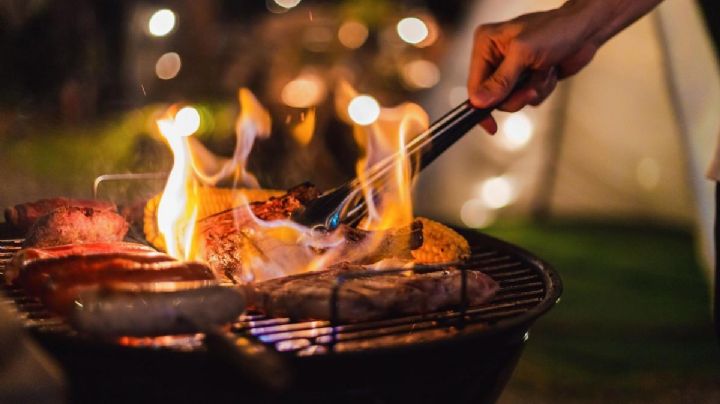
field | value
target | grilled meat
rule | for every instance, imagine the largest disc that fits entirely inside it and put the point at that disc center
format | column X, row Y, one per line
column 74, row 225
column 121, row 313
column 280, row 207
column 252, row 253
column 22, row 216
column 308, row 296
column 29, row 255
column 237, row 246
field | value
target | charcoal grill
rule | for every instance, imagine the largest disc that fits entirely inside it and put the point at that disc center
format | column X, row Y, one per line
column 461, row 355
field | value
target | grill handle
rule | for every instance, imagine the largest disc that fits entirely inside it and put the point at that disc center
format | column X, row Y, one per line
column 263, row 367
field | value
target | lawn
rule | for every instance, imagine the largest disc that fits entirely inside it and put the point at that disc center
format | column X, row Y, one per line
column 634, row 322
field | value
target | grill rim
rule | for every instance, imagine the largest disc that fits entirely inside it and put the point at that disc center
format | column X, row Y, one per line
column 519, row 324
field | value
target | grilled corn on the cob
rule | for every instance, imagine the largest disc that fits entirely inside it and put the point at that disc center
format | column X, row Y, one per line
column 440, row 244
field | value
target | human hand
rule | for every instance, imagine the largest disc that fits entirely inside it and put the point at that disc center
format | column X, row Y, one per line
column 549, row 45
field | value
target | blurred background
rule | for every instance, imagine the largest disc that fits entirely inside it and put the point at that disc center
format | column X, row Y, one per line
column 605, row 180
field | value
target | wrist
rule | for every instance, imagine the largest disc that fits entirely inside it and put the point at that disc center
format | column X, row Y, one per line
column 593, row 16
column 603, row 19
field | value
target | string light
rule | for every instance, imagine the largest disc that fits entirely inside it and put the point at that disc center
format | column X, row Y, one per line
column 352, row 34
column 187, row 121
column 420, row 74
column 497, row 192
column 412, row 30
column 364, row 110
column 168, row 66
column 161, row 23
column 287, row 4
column 475, row 214
column 305, row 91
column 517, row 130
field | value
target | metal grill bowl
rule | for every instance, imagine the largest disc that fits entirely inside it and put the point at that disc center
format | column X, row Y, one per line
column 450, row 356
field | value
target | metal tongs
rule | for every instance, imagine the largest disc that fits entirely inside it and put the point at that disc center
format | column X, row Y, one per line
column 345, row 204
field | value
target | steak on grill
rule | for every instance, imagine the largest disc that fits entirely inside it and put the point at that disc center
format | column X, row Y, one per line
column 308, row 296
column 22, row 216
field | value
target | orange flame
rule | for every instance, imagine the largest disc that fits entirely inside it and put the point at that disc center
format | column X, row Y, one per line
column 383, row 142
column 177, row 210
column 195, row 166
column 253, row 122
column 285, row 247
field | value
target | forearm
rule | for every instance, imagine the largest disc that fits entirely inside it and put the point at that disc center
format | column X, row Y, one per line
column 603, row 19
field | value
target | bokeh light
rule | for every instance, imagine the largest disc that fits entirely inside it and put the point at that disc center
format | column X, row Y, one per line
column 161, row 23
column 364, row 110
column 420, row 74
column 287, row 4
column 516, row 131
column 168, row 66
column 475, row 214
column 318, row 38
column 305, row 91
column 187, row 121
column 412, row 30
column 497, row 192
column 352, row 34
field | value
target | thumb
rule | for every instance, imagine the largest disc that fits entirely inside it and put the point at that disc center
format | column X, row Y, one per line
column 496, row 88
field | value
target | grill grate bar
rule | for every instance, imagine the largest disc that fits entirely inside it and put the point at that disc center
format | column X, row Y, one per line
column 316, row 329
column 521, row 289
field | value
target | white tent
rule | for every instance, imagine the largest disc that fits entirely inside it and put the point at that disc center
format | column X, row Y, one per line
column 629, row 138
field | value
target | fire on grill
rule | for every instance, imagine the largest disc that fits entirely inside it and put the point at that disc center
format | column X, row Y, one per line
column 75, row 261
column 226, row 273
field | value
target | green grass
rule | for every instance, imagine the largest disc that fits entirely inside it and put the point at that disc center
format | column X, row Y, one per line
column 634, row 321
